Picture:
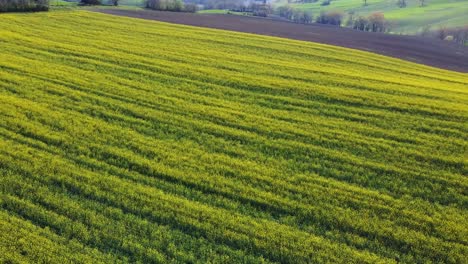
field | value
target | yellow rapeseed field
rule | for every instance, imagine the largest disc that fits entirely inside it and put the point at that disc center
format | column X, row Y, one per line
column 124, row 140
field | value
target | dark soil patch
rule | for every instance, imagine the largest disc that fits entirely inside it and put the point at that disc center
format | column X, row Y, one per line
column 432, row 52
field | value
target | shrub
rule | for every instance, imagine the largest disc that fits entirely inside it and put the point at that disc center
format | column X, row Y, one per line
column 325, row 2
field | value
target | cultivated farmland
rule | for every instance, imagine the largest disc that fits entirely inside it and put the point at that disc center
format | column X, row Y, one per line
column 428, row 51
column 125, row 140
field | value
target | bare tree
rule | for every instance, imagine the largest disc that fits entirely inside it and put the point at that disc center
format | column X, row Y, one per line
column 365, row 2
column 191, row 8
column 350, row 21
column 426, row 31
column 442, row 33
column 154, row 4
column 377, row 22
column 361, row 23
column 422, row 3
column 401, row 3
column 459, row 34
column 330, row 17
column 286, row 12
column 465, row 35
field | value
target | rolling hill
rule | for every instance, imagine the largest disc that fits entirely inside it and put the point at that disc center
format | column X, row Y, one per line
column 422, row 50
column 408, row 20
column 126, row 140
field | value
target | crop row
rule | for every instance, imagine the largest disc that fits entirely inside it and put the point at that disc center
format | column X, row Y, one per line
column 177, row 144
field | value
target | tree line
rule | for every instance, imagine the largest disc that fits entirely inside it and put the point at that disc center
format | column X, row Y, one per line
column 171, row 5
column 458, row 35
column 305, row 17
column 373, row 23
column 161, row 5
column 24, row 5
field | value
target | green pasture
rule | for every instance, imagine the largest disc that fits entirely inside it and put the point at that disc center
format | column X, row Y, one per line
column 413, row 18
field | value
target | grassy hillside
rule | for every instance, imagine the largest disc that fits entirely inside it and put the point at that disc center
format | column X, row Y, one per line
column 125, row 140
column 435, row 13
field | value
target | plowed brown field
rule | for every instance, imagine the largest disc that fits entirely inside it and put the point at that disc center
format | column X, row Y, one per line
column 432, row 52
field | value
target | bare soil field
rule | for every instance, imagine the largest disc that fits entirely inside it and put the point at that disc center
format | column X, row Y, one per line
column 432, row 52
